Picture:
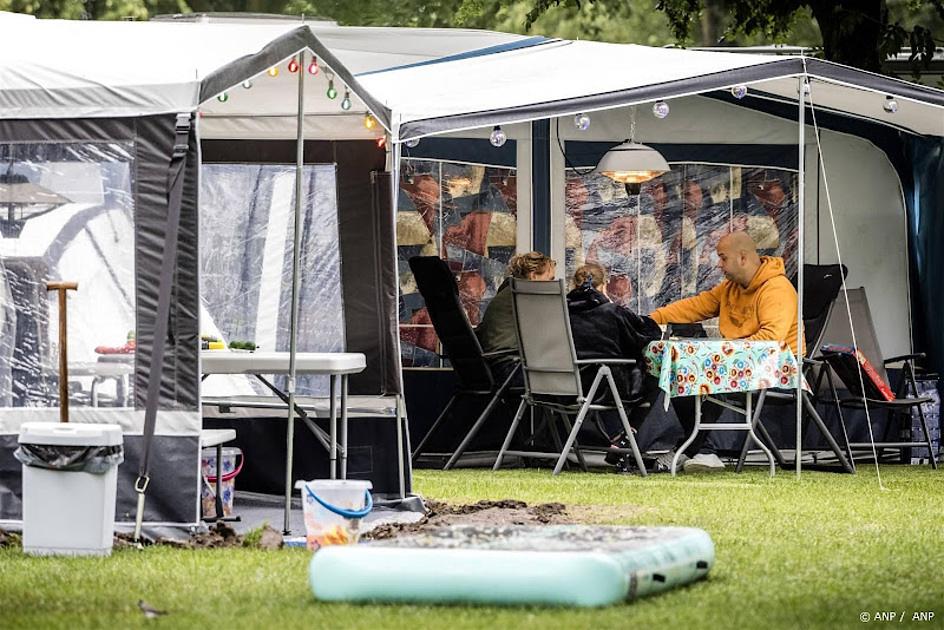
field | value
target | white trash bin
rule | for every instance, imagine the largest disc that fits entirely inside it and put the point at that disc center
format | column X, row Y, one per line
column 65, row 511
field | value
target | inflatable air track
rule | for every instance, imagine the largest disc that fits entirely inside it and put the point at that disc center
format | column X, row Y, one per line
column 566, row 565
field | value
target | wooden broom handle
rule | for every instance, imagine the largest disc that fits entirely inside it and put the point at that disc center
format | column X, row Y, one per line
column 61, row 287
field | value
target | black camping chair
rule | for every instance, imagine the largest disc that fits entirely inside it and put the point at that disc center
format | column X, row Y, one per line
column 821, row 284
column 437, row 285
column 865, row 387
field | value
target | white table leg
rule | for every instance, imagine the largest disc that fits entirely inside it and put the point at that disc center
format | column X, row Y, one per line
column 691, row 438
column 344, row 426
column 749, row 418
column 333, row 427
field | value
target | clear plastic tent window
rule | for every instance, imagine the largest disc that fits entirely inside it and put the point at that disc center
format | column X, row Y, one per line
column 465, row 213
column 66, row 213
column 246, row 231
column 659, row 246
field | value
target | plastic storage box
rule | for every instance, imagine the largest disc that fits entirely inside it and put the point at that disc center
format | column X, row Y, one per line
column 70, row 480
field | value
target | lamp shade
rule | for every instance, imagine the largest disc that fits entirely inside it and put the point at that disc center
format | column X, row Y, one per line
column 632, row 163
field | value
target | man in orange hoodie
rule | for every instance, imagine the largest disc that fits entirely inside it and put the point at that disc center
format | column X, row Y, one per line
column 756, row 300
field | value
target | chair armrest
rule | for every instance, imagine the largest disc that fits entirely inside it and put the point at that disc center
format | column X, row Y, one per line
column 500, row 353
column 606, row 361
column 905, row 357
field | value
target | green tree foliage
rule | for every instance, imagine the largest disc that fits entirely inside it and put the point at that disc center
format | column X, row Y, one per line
column 853, row 32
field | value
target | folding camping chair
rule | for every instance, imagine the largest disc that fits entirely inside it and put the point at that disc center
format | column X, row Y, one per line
column 821, row 286
column 552, row 376
column 437, row 285
column 863, row 374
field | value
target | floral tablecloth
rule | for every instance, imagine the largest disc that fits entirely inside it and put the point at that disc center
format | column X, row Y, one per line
column 686, row 367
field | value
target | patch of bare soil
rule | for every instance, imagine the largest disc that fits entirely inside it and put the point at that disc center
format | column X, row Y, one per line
column 10, row 539
column 503, row 512
column 218, row 536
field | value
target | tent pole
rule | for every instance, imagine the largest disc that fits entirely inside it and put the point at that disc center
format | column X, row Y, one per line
column 293, row 325
column 801, row 144
column 396, row 153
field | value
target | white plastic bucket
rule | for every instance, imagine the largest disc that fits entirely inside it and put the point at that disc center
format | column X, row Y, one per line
column 333, row 510
column 232, row 465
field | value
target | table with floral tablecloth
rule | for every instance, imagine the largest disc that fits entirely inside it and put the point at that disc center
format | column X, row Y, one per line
column 686, row 367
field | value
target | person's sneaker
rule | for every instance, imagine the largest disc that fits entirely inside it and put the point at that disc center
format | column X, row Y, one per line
column 663, row 463
column 625, row 465
column 613, row 456
column 704, row 462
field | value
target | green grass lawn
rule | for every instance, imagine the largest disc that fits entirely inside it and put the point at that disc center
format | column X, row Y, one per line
column 815, row 552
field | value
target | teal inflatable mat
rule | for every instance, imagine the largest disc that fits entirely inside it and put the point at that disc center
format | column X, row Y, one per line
column 564, row 565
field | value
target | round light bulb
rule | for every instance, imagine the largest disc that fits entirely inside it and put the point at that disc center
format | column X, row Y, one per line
column 660, row 109
column 806, row 88
column 739, row 91
column 890, row 105
column 293, row 65
column 582, row 122
column 369, row 121
column 346, row 101
column 222, row 97
column 273, row 71
column 331, row 93
column 412, row 142
column 313, row 67
column 497, row 137
column 246, row 84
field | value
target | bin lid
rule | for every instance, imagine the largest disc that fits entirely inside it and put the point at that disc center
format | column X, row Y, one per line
column 70, row 433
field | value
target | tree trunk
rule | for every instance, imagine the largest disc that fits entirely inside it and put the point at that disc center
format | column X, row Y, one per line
column 852, row 31
column 712, row 22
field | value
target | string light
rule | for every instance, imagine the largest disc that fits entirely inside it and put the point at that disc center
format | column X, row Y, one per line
column 332, row 93
column 582, row 122
column 222, row 97
column 412, row 142
column 739, row 91
column 293, row 65
column 246, row 84
column 369, row 121
column 313, row 66
column 273, row 71
column 890, row 105
column 660, row 109
column 346, row 101
column 381, row 142
column 497, row 137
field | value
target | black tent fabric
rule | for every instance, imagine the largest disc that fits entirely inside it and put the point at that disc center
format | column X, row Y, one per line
column 174, row 491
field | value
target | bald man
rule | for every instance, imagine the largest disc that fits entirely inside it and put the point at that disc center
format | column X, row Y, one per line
column 756, row 300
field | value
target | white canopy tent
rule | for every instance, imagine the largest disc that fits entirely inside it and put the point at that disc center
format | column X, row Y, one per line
column 415, row 82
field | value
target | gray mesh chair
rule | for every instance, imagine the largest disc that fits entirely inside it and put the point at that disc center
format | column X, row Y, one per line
column 552, row 371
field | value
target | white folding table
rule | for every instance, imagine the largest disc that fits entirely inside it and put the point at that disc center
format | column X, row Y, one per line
column 332, row 364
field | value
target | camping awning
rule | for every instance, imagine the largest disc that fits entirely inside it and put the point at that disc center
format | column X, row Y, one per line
column 77, row 69
column 566, row 77
column 416, row 82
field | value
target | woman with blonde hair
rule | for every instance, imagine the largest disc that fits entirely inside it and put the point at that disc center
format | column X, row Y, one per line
column 496, row 332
